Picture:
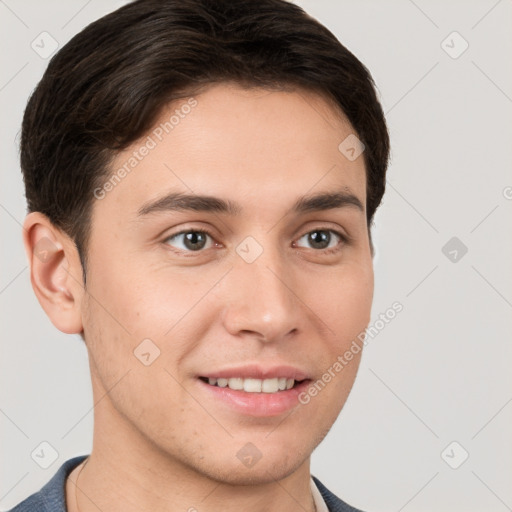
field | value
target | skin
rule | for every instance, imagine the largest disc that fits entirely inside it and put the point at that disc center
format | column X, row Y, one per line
column 160, row 442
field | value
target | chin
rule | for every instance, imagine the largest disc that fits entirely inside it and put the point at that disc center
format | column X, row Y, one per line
column 257, row 475
column 269, row 468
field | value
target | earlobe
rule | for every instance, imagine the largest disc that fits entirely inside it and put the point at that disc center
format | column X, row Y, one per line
column 55, row 272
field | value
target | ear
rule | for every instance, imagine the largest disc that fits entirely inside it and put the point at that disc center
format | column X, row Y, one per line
column 55, row 272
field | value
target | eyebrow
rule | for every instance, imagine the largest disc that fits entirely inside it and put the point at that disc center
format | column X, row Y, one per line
column 178, row 201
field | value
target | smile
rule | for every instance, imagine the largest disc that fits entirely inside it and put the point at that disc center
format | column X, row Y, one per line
column 250, row 385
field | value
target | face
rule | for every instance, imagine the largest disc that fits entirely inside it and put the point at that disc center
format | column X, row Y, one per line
column 257, row 281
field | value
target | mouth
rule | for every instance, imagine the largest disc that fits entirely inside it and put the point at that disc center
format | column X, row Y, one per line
column 250, row 396
column 250, row 385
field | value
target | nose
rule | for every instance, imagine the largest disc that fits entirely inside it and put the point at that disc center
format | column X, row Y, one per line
column 262, row 301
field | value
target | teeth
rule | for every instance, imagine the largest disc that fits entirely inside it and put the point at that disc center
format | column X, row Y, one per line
column 236, row 383
column 270, row 385
column 254, row 385
column 222, row 383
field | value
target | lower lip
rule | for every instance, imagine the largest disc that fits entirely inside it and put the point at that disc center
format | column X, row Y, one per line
column 257, row 404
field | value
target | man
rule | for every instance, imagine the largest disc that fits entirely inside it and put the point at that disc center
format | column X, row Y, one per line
column 201, row 176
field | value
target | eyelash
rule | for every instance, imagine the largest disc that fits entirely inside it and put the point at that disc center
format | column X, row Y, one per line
column 343, row 239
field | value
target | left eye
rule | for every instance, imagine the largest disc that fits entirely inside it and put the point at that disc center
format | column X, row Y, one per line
column 322, row 238
column 191, row 240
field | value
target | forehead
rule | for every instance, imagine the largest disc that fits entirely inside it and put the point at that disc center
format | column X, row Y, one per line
column 238, row 143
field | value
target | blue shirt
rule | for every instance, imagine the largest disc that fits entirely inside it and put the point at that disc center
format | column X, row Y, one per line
column 52, row 498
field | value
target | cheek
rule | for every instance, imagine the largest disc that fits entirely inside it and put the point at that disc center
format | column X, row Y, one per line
column 134, row 299
column 345, row 306
column 345, row 302
column 134, row 304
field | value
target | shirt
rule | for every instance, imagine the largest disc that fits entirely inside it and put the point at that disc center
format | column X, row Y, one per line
column 52, row 498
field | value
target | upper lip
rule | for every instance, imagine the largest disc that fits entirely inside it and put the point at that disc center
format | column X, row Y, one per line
column 255, row 371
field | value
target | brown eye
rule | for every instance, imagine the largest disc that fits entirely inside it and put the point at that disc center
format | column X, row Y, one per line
column 191, row 240
column 322, row 239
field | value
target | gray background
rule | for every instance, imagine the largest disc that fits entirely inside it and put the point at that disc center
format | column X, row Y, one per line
column 440, row 371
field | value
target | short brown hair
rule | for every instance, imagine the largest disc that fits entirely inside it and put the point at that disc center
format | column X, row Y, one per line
column 104, row 89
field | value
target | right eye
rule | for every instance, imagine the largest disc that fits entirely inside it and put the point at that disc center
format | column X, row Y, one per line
column 190, row 240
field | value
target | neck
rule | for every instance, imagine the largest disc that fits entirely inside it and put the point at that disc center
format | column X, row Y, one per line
column 126, row 472
column 115, row 484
